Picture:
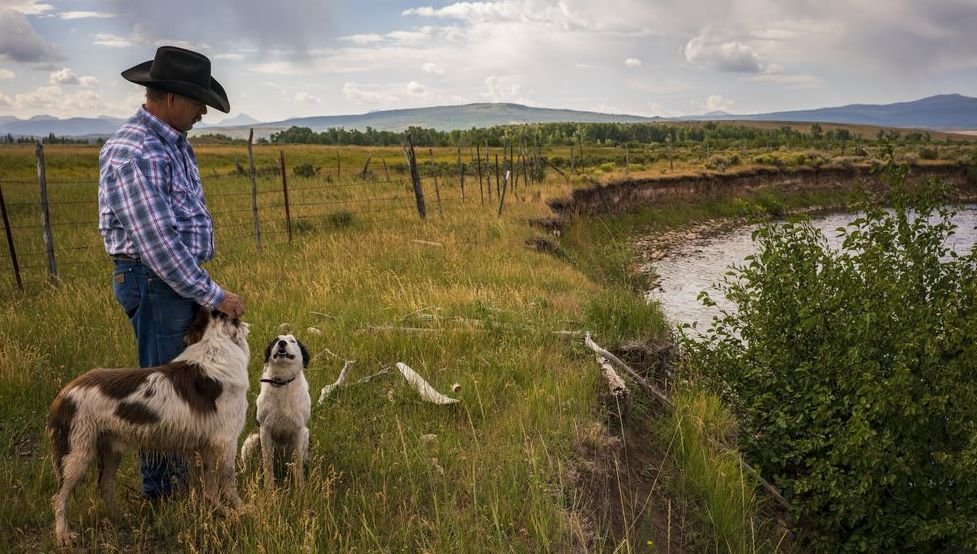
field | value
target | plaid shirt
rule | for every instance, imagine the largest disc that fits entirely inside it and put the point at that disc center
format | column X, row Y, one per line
column 151, row 206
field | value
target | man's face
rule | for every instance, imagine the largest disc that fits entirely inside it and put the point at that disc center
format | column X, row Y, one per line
column 186, row 112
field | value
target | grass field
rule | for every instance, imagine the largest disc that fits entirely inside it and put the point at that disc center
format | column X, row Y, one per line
column 458, row 297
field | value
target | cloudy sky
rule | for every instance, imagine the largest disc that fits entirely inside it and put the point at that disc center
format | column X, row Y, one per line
column 286, row 58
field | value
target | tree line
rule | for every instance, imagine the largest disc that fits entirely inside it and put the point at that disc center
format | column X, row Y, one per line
column 604, row 134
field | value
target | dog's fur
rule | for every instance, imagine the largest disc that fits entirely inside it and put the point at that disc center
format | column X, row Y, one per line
column 284, row 407
column 196, row 403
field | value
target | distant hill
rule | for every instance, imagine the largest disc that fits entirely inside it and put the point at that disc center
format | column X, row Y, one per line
column 43, row 125
column 237, row 121
column 942, row 112
column 442, row 118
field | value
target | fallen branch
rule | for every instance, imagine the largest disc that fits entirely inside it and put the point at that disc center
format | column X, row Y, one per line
column 422, row 387
column 589, row 342
column 327, row 390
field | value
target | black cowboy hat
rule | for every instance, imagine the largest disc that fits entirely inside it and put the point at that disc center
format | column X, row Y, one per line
column 182, row 71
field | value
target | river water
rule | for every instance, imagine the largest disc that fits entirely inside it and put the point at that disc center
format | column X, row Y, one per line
column 691, row 268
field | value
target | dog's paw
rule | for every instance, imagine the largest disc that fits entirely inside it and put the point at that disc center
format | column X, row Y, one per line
column 66, row 539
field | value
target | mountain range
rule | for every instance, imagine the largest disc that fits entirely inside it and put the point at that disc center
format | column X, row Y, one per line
column 941, row 112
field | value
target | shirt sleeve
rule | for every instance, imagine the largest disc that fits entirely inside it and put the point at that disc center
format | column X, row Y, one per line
column 141, row 201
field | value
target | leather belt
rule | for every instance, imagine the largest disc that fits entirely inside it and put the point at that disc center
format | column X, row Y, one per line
column 124, row 257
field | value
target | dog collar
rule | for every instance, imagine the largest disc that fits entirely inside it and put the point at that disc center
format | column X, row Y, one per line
column 277, row 382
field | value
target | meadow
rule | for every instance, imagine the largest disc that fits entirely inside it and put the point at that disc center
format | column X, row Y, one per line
column 529, row 460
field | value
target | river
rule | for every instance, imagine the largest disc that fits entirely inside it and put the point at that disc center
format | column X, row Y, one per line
column 691, row 268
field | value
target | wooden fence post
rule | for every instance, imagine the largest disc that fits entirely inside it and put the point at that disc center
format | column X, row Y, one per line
column 10, row 239
column 385, row 172
column 52, row 265
column 414, row 177
column 339, row 166
column 505, row 185
column 437, row 189
column 366, row 167
column 461, row 175
column 498, row 186
column 288, row 214
column 478, row 167
column 254, row 192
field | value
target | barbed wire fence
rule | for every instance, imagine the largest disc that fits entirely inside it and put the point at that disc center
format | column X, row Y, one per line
column 51, row 226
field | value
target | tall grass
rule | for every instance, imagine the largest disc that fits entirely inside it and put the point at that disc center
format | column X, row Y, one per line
column 458, row 297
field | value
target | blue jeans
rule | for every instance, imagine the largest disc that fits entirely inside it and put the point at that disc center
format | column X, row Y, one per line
column 160, row 318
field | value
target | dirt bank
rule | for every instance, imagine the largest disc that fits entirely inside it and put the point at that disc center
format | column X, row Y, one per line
column 632, row 194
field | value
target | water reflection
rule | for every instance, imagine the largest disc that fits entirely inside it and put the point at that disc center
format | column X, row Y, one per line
column 692, row 268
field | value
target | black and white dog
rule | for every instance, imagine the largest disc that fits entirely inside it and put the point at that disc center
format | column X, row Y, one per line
column 284, row 408
column 196, row 403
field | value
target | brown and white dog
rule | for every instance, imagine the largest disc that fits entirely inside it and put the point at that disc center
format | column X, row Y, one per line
column 196, row 403
column 284, row 408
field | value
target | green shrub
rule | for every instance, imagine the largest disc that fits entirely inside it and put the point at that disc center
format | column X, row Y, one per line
column 929, row 154
column 852, row 374
column 306, row 170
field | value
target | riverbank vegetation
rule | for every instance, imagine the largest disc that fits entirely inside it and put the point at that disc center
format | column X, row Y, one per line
column 851, row 374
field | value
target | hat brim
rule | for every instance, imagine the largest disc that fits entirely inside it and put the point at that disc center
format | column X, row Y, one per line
column 214, row 96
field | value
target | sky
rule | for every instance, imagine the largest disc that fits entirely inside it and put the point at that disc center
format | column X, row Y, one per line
column 290, row 58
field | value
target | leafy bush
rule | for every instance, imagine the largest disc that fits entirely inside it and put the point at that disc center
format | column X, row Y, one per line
column 307, row 170
column 853, row 373
column 929, row 154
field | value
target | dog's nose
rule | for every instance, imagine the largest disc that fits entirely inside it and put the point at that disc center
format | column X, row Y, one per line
column 282, row 344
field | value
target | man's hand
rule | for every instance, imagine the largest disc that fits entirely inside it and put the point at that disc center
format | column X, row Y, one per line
column 232, row 305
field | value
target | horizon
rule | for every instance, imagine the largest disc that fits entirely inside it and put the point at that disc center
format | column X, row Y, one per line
column 310, row 58
column 231, row 116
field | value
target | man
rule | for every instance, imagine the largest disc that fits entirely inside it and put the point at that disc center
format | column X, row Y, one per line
column 155, row 224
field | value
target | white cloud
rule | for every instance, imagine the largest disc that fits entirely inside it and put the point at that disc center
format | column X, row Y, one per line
column 26, row 7
column 84, row 15
column 306, row 98
column 366, row 94
column 727, row 56
column 53, row 100
column 234, row 56
column 713, row 103
column 504, row 89
column 112, row 41
column 364, row 39
column 431, row 67
column 6, row 74
column 632, row 62
column 68, row 77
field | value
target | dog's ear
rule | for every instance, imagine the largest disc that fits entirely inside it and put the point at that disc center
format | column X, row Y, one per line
column 195, row 332
column 268, row 349
column 305, row 354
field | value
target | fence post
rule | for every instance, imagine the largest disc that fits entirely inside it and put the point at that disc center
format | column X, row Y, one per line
column 437, row 189
column 339, row 166
column 52, row 265
column 478, row 167
column 254, row 192
column 385, row 172
column 505, row 185
column 288, row 214
column 414, row 177
column 10, row 239
column 461, row 175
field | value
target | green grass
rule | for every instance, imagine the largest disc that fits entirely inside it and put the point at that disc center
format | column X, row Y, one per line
column 360, row 276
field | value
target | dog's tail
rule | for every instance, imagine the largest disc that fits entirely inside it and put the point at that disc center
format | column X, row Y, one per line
column 251, row 446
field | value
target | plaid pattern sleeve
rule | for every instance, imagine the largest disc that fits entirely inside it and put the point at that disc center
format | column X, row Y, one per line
column 153, row 209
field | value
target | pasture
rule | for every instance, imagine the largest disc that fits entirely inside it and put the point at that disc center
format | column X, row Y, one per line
column 525, row 462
